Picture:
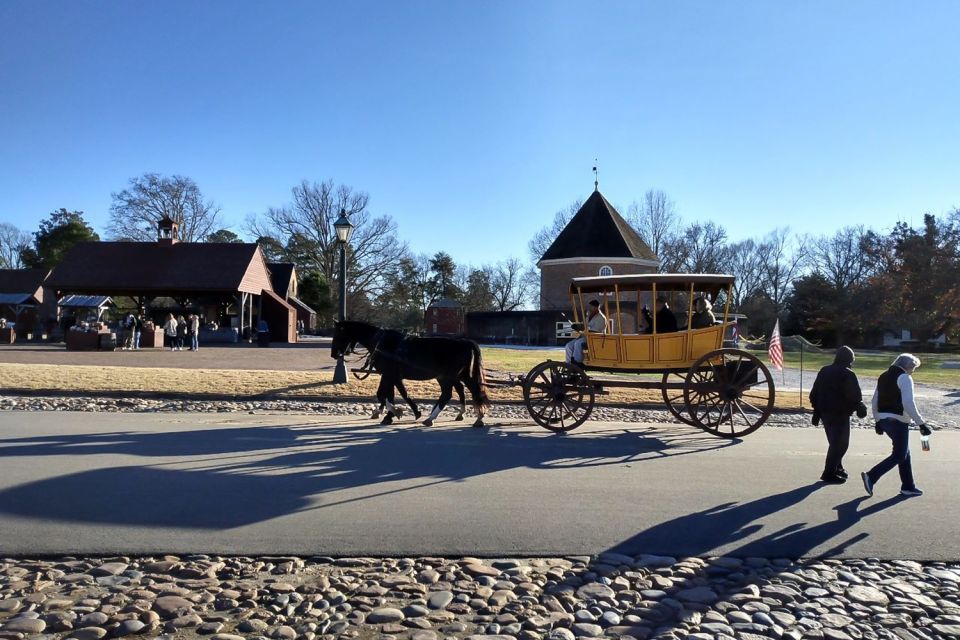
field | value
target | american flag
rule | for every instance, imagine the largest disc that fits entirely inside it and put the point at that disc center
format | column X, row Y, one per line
column 776, row 349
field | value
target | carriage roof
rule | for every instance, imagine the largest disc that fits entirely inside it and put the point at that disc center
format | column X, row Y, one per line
column 664, row 282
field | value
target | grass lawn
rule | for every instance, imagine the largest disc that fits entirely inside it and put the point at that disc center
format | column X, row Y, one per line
column 872, row 365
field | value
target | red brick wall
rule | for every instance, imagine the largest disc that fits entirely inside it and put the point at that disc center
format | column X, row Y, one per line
column 555, row 280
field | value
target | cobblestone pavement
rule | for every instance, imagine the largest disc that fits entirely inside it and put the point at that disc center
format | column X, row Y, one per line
column 949, row 418
column 611, row 596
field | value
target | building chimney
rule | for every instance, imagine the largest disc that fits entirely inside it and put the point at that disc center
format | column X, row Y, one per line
column 167, row 231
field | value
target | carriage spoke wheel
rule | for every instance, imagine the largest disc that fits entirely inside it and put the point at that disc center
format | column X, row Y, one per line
column 729, row 393
column 673, row 398
column 559, row 396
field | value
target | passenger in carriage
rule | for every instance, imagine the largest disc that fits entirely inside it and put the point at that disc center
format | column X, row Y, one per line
column 666, row 321
column 702, row 314
column 596, row 322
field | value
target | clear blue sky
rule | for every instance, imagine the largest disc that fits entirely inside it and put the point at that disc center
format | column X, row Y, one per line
column 471, row 123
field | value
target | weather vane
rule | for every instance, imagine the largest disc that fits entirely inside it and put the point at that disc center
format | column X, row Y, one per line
column 596, row 176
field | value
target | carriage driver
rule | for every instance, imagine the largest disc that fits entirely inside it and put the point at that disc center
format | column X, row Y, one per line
column 596, row 322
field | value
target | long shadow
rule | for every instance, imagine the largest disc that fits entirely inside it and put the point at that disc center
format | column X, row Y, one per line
column 231, row 477
column 702, row 533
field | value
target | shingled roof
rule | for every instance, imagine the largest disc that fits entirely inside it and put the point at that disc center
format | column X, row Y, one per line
column 133, row 268
column 22, row 280
column 598, row 231
column 280, row 276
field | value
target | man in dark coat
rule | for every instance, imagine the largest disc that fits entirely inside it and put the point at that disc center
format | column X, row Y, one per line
column 666, row 321
column 835, row 396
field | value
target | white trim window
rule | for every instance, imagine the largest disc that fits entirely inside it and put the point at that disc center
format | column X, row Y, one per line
column 606, row 271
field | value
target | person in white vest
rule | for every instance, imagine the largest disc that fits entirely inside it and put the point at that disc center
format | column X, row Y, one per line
column 596, row 322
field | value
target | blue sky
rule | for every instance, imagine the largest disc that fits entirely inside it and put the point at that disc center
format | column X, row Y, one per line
column 471, row 123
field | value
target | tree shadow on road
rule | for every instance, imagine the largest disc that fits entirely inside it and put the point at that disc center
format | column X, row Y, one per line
column 220, row 478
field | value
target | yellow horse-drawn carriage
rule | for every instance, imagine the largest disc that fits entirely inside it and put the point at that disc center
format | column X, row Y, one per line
column 723, row 390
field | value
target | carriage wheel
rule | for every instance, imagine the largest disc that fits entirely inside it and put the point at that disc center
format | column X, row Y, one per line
column 729, row 393
column 559, row 396
column 673, row 398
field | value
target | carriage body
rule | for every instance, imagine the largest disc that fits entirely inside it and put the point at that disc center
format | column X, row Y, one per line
column 723, row 390
column 627, row 346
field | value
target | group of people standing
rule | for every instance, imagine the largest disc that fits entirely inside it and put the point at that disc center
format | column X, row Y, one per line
column 177, row 329
column 836, row 397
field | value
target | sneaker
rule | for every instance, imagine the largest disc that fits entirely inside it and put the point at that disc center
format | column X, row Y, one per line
column 833, row 479
column 911, row 493
column 867, row 483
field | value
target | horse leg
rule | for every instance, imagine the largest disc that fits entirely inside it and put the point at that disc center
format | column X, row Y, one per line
column 458, row 386
column 403, row 394
column 385, row 395
column 446, row 391
column 475, row 393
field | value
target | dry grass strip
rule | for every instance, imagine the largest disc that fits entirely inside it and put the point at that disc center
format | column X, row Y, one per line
column 249, row 384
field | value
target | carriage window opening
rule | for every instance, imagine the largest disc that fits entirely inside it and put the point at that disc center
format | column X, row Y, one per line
column 606, row 271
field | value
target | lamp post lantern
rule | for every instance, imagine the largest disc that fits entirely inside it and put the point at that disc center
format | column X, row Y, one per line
column 344, row 230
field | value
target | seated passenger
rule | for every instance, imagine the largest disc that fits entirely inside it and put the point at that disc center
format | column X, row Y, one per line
column 596, row 322
column 703, row 314
column 666, row 321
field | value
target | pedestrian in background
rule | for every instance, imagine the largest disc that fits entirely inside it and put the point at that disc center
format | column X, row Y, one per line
column 170, row 332
column 194, row 332
column 893, row 409
column 835, row 397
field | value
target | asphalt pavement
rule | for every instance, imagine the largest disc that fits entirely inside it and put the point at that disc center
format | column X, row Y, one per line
column 89, row 483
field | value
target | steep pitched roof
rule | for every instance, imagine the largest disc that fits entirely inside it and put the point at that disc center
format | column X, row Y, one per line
column 598, row 231
column 22, row 280
column 280, row 275
column 130, row 268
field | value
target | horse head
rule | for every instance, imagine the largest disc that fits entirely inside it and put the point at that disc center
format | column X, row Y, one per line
column 348, row 334
column 340, row 346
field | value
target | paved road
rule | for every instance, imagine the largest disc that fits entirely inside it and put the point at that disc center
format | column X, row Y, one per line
column 87, row 483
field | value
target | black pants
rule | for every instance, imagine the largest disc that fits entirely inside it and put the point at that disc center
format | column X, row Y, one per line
column 838, row 437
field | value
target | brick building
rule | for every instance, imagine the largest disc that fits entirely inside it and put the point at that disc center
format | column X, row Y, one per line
column 596, row 242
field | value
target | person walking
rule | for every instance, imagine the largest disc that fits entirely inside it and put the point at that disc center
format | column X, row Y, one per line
column 835, row 396
column 170, row 331
column 194, row 331
column 893, row 409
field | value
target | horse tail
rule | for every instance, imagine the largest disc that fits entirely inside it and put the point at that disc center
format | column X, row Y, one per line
column 479, row 376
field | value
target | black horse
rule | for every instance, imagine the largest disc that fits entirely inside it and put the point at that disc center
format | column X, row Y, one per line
column 453, row 362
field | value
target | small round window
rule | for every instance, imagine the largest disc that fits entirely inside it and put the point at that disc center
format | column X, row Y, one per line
column 606, row 271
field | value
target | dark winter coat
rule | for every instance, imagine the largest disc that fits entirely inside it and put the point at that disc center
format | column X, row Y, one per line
column 836, row 391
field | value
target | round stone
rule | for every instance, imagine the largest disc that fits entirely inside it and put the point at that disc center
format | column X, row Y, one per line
column 596, row 591
column 24, row 625
column 439, row 599
column 128, row 627
column 385, row 615
column 867, row 595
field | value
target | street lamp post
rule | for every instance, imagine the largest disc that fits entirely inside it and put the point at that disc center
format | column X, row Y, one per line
column 344, row 230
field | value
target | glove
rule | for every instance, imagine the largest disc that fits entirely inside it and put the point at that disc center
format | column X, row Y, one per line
column 577, row 326
column 878, row 429
column 925, row 430
column 862, row 411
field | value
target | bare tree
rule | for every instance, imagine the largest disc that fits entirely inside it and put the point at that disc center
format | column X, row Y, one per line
column 698, row 248
column 743, row 262
column 12, row 242
column 374, row 252
column 655, row 219
column 783, row 258
column 509, row 283
column 842, row 258
column 136, row 210
column 542, row 240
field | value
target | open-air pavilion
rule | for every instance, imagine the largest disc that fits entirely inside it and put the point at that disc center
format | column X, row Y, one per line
column 228, row 281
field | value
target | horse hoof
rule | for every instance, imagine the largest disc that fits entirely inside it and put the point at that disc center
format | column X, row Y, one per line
column 416, row 414
column 479, row 423
column 428, row 422
column 388, row 419
column 459, row 418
